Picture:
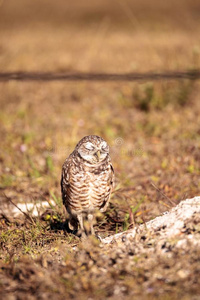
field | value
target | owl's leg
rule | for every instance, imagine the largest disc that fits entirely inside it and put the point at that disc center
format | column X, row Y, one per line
column 90, row 219
column 80, row 219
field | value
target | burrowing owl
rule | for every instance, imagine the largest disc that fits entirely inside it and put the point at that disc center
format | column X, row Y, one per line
column 87, row 180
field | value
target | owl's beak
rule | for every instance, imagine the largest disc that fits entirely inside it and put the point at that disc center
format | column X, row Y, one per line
column 98, row 154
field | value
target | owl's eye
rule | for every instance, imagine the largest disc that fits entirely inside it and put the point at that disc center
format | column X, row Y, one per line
column 89, row 146
column 104, row 146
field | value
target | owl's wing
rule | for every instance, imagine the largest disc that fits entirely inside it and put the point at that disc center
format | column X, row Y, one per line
column 65, row 184
column 65, row 189
column 112, row 175
column 110, row 186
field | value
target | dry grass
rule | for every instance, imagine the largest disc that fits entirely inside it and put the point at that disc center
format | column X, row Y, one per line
column 152, row 128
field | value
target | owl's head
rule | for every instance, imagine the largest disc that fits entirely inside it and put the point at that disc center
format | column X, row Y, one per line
column 92, row 149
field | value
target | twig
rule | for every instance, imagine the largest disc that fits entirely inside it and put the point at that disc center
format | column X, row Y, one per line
column 5, row 217
column 163, row 194
column 24, row 213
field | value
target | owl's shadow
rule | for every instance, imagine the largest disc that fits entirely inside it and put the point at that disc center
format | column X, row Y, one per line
column 57, row 222
column 56, row 225
column 63, row 226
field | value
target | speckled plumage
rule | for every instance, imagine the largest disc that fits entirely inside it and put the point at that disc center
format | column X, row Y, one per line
column 87, row 180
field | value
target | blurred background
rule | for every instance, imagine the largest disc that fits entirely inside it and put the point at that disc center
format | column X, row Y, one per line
column 153, row 128
column 99, row 35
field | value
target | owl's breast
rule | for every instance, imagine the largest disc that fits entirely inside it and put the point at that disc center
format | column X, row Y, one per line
column 89, row 190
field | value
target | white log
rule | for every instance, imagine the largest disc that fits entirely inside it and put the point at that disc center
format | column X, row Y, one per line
column 171, row 222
